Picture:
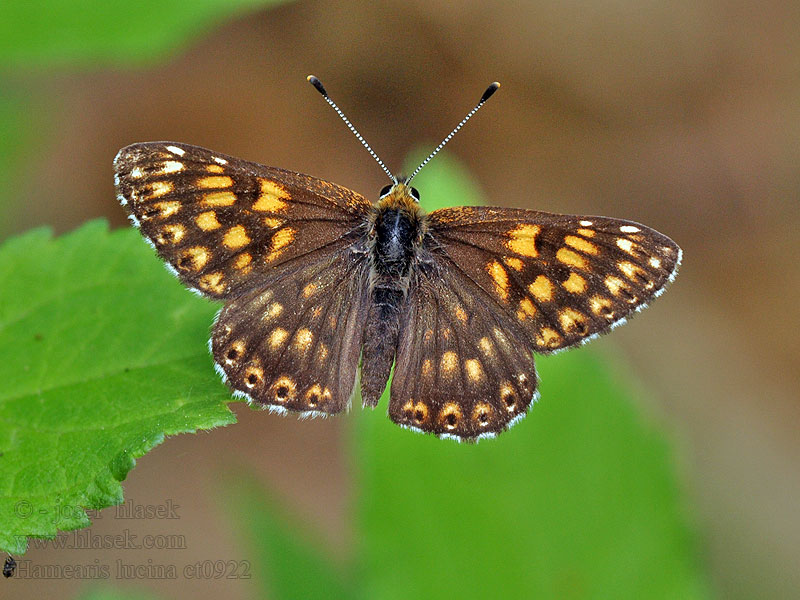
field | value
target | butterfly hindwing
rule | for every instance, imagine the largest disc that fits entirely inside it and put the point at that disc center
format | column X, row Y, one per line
column 464, row 368
column 222, row 224
column 295, row 345
column 562, row 278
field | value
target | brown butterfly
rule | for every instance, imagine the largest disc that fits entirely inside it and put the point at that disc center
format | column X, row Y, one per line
column 317, row 280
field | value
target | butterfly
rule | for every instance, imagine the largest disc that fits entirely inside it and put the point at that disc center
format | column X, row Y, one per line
column 322, row 289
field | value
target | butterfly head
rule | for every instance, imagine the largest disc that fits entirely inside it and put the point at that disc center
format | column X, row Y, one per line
column 399, row 195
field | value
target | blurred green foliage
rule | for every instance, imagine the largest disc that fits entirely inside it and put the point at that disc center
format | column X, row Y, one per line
column 107, row 32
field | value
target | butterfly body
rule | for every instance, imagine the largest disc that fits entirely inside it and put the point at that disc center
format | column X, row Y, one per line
column 319, row 284
column 395, row 241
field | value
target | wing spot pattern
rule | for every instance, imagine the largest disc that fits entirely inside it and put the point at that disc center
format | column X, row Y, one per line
column 242, row 262
column 235, row 351
column 448, row 363
column 522, row 240
column 500, row 278
column 271, row 198
column 277, row 338
column 274, row 310
column 575, row 284
column 280, row 240
column 171, row 234
column 573, row 320
column 236, row 237
column 302, row 340
column 284, row 389
column 171, row 166
column 601, row 306
column 309, row 290
column 548, row 338
column 219, row 198
column 635, row 273
column 474, row 370
column 213, row 282
column 427, row 368
column 194, row 258
column 481, row 414
column 215, row 182
column 541, row 289
column 514, row 263
column 626, row 245
column 207, row 221
column 450, row 415
column 581, row 244
column 526, row 309
column 163, row 209
column 571, row 258
column 507, row 396
column 252, row 376
column 313, row 395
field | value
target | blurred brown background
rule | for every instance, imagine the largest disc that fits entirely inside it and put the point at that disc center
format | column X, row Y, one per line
column 684, row 116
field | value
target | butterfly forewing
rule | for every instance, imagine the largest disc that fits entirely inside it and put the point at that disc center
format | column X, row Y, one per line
column 464, row 367
column 562, row 278
column 222, row 223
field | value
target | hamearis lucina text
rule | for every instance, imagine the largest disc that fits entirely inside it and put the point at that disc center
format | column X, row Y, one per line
column 323, row 290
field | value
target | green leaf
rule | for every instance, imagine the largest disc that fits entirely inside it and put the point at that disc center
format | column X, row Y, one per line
column 102, row 354
column 72, row 31
column 288, row 564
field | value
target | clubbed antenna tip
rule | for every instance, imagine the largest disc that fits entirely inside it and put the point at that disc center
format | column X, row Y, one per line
column 318, row 84
column 486, row 95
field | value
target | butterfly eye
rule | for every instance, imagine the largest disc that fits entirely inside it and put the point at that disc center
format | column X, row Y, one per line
column 415, row 193
column 385, row 190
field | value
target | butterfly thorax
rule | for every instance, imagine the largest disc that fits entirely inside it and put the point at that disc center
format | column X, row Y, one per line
column 397, row 229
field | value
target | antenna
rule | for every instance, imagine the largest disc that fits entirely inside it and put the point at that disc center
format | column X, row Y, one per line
column 486, row 95
column 318, row 85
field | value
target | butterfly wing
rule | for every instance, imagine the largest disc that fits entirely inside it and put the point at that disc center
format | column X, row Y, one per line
column 295, row 345
column 464, row 367
column 499, row 284
column 284, row 249
column 222, row 224
column 564, row 279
